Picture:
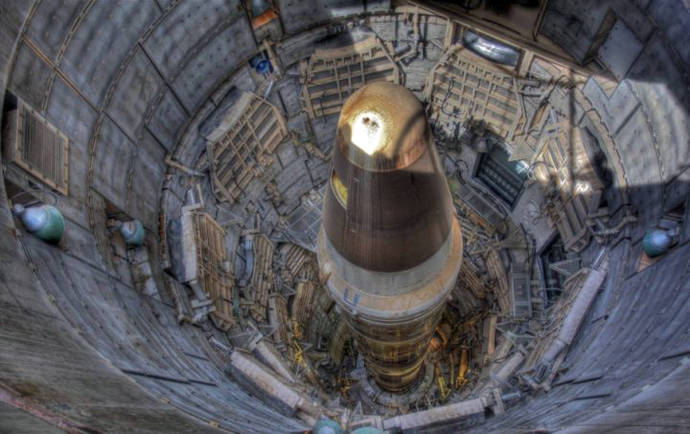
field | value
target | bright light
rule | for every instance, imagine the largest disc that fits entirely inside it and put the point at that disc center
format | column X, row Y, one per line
column 367, row 132
column 582, row 187
column 522, row 167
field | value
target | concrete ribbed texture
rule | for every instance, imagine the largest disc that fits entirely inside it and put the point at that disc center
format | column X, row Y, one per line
column 130, row 82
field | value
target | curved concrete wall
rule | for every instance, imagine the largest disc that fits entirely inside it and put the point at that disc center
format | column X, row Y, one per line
column 80, row 347
column 628, row 368
column 129, row 82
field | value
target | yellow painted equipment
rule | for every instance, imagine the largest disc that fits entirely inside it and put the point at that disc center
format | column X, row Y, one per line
column 462, row 370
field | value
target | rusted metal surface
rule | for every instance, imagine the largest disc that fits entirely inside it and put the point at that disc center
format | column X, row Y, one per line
column 390, row 248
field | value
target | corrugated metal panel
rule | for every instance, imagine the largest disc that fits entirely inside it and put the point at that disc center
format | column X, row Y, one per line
column 331, row 75
column 38, row 147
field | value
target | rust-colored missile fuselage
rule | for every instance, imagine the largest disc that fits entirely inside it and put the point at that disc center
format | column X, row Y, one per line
column 390, row 244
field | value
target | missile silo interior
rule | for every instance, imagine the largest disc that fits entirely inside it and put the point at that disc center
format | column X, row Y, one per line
column 184, row 186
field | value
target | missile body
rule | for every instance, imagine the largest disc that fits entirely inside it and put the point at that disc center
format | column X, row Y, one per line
column 390, row 247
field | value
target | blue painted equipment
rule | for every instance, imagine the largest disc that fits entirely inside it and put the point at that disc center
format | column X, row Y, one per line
column 656, row 242
column 263, row 67
column 256, row 59
column 367, row 430
column 490, row 49
column 259, row 7
column 260, row 64
column 327, row 426
column 43, row 221
column 133, row 232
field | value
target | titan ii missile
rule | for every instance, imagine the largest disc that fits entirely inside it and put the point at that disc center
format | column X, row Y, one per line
column 390, row 246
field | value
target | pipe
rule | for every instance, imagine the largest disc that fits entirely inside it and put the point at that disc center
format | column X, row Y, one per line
column 268, row 89
column 267, row 382
column 500, row 377
column 509, row 367
column 446, row 413
column 409, row 58
column 490, row 49
column 571, row 323
column 267, row 353
column 513, row 396
column 628, row 219
column 172, row 163
column 248, row 247
column 217, row 344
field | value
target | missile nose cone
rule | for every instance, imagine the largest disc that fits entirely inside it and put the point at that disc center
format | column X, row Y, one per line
column 390, row 248
column 382, row 126
column 389, row 208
